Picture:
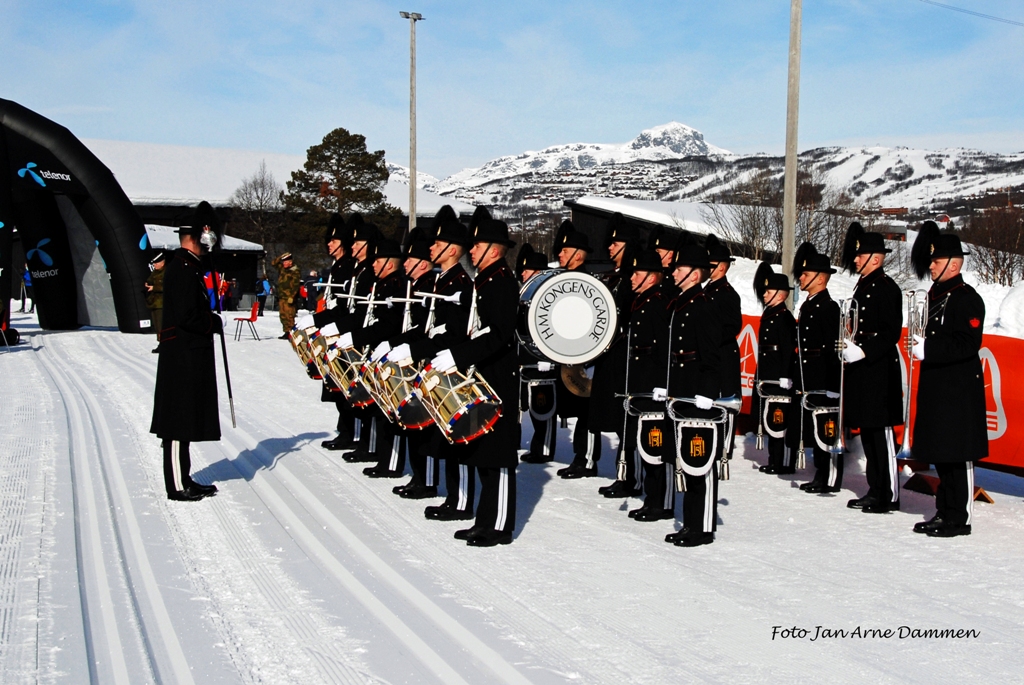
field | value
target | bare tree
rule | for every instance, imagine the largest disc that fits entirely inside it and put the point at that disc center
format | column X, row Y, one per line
column 259, row 199
column 997, row 245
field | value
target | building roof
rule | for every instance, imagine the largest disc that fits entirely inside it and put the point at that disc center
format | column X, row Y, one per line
column 686, row 216
column 166, row 238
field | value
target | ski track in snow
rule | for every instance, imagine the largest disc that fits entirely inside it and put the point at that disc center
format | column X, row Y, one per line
column 303, row 570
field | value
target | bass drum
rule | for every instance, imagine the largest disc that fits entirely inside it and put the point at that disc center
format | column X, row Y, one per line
column 566, row 317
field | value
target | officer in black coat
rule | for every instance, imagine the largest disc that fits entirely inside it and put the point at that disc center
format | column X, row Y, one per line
column 606, row 412
column 666, row 244
column 185, row 398
column 538, row 379
column 445, row 326
column 950, row 428
column 647, row 369
column 695, row 372
column 572, row 251
column 339, row 243
column 491, row 349
column 776, row 342
column 872, row 384
column 816, row 371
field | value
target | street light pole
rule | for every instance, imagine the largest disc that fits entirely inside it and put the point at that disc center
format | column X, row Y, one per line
column 792, row 119
column 413, row 17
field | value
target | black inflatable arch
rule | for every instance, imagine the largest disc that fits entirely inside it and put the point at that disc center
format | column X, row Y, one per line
column 84, row 243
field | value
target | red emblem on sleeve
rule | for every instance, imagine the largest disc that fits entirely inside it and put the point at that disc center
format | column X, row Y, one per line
column 975, row 323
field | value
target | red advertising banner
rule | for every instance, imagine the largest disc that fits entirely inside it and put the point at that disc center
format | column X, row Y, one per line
column 1000, row 356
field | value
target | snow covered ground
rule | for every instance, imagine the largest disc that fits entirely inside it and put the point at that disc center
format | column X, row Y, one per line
column 301, row 570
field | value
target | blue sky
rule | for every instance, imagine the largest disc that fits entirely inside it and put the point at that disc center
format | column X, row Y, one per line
column 500, row 78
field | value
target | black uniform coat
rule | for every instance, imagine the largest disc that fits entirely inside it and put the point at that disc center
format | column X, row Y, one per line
column 730, row 316
column 494, row 355
column 349, row 314
column 873, row 390
column 340, row 274
column 185, row 399
column 695, row 338
column 606, row 413
column 776, row 344
column 950, row 424
column 387, row 322
column 648, row 342
column 450, row 318
column 817, row 336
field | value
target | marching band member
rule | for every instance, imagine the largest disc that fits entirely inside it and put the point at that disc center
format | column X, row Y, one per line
column 816, row 367
column 491, row 349
column 694, row 372
column 420, row 270
column 540, row 395
column 646, row 370
column 386, row 323
column 338, row 241
column 950, row 428
column 445, row 328
column 666, row 243
column 606, row 412
column 726, row 300
column 872, row 392
column 775, row 345
column 572, row 250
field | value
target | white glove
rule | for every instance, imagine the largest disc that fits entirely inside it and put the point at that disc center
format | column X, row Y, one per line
column 380, row 350
column 444, row 362
column 329, row 330
column 852, row 352
column 918, row 349
column 786, row 383
column 330, row 303
column 660, row 395
column 544, row 366
column 400, row 354
column 703, row 402
column 831, row 395
column 345, row 341
column 224, row 323
column 305, row 322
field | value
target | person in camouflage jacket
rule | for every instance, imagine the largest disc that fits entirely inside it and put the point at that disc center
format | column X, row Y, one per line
column 155, row 293
column 288, row 281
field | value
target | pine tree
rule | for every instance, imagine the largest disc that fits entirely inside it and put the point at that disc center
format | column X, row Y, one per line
column 338, row 176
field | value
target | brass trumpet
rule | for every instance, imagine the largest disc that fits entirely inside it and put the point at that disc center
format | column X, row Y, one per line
column 849, row 316
column 917, row 322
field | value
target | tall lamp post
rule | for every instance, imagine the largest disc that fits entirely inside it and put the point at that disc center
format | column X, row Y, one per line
column 792, row 119
column 413, row 17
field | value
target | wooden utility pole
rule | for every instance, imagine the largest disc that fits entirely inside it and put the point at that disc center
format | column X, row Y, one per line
column 792, row 126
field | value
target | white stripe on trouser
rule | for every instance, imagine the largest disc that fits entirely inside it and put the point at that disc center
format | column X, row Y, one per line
column 787, row 456
column 709, row 500
column 373, row 436
column 430, row 473
column 970, row 492
column 179, row 484
column 357, row 428
column 502, row 517
column 590, row 450
column 395, row 445
column 463, row 485
column 549, row 427
column 890, row 460
column 638, row 469
column 833, row 469
column 670, row 487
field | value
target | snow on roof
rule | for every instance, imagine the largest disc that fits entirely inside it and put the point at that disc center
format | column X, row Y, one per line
column 166, row 238
column 427, row 203
column 688, row 216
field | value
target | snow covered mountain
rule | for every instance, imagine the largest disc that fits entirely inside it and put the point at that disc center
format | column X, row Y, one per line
column 674, row 162
column 669, row 141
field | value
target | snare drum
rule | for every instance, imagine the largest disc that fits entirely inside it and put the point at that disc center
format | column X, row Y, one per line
column 464, row 408
column 396, row 389
column 319, row 346
column 567, row 317
column 343, row 367
column 300, row 343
